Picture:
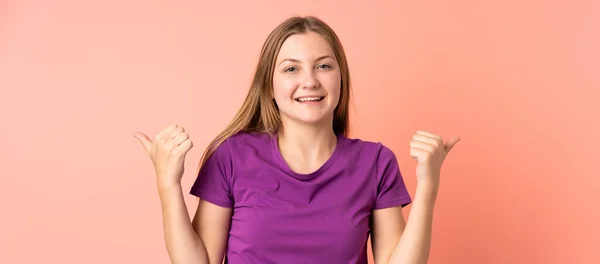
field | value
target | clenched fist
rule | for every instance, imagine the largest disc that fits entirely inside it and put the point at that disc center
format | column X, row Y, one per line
column 430, row 151
column 167, row 152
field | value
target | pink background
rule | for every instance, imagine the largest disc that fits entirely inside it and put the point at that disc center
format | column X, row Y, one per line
column 517, row 80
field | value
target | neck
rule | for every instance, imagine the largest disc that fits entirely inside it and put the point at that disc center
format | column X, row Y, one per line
column 308, row 144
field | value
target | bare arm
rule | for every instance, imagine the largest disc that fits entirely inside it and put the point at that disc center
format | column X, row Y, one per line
column 411, row 242
column 183, row 244
column 388, row 226
column 415, row 243
column 184, row 239
column 395, row 242
column 212, row 223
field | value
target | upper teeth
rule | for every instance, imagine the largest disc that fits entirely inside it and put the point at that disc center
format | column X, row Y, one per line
column 304, row 99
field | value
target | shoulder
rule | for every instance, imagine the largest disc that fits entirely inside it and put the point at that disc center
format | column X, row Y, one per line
column 376, row 158
column 365, row 149
column 244, row 144
column 243, row 140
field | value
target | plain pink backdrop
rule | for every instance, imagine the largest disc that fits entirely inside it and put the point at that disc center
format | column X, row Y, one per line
column 517, row 80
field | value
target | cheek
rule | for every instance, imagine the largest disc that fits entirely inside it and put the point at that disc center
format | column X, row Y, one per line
column 333, row 85
column 283, row 88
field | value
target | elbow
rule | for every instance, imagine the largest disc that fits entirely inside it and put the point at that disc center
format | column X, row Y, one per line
column 190, row 256
column 409, row 260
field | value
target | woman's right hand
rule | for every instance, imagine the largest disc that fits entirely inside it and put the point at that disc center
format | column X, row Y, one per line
column 167, row 152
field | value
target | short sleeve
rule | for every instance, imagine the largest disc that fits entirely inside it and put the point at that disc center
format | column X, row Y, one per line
column 213, row 183
column 391, row 190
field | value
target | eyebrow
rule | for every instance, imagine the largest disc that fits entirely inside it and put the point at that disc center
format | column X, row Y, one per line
column 296, row 60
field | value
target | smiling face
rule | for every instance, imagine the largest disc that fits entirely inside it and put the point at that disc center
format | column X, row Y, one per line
column 306, row 80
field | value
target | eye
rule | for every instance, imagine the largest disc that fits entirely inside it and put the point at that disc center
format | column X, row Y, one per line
column 290, row 69
column 324, row 66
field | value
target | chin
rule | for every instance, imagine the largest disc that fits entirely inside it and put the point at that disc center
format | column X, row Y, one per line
column 309, row 117
column 314, row 120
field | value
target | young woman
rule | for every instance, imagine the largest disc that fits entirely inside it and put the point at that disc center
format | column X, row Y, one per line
column 283, row 183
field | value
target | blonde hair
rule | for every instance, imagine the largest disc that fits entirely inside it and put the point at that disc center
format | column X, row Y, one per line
column 259, row 112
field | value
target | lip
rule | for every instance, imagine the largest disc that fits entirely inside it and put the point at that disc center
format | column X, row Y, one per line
column 298, row 99
column 304, row 96
column 307, row 96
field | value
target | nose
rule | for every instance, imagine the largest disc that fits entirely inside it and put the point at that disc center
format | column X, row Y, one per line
column 310, row 81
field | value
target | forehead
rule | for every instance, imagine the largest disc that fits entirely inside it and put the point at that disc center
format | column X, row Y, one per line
column 305, row 46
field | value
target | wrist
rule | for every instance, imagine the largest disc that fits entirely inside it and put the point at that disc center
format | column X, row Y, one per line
column 428, row 189
column 168, row 187
column 429, row 182
column 427, row 173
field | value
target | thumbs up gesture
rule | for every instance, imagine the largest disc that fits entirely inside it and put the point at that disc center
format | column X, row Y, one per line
column 167, row 153
column 430, row 151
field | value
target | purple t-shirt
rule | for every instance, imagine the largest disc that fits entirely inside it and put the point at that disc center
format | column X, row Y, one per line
column 280, row 216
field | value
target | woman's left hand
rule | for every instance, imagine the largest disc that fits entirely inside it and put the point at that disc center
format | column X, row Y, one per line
column 430, row 151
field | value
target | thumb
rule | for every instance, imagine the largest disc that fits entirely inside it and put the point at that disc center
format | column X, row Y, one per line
column 450, row 143
column 146, row 142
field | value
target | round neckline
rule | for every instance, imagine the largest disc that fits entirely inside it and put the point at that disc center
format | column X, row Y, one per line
column 307, row 176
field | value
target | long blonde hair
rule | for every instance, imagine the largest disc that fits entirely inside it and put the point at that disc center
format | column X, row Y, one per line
column 259, row 112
